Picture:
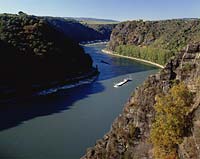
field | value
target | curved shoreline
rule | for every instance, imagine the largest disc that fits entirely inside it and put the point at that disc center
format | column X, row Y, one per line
column 76, row 81
column 53, row 86
column 59, row 85
column 133, row 58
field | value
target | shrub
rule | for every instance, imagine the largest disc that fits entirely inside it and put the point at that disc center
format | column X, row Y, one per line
column 171, row 122
column 149, row 53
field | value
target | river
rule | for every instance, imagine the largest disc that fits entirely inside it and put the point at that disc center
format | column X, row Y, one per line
column 65, row 124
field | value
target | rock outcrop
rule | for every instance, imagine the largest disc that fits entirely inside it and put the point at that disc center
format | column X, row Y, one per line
column 154, row 41
column 172, row 35
column 130, row 132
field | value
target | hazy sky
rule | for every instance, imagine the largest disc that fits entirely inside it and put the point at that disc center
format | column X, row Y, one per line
column 109, row 9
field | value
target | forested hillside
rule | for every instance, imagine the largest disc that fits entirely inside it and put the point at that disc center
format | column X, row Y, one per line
column 32, row 51
column 154, row 40
column 81, row 32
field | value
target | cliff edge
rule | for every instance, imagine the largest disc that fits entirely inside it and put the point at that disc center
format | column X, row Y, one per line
column 129, row 136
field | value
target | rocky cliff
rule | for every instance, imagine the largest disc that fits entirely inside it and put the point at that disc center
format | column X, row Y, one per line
column 172, row 35
column 129, row 136
column 154, row 41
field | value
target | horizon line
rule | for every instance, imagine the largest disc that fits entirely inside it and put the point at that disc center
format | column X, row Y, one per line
column 101, row 18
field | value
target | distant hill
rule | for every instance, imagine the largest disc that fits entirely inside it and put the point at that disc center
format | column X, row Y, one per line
column 84, row 20
column 81, row 32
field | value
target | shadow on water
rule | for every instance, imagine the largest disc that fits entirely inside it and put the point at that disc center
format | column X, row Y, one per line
column 16, row 113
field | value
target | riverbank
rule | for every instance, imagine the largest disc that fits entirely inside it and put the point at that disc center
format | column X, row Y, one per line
column 50, row 87
column 133, row 58
column 71, row 83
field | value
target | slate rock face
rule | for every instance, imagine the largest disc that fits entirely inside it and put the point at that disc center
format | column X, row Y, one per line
column 129, row 134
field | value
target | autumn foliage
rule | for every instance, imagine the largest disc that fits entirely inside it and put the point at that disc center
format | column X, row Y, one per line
column 171, row 121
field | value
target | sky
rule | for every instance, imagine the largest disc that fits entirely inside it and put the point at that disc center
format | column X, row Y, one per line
column 107, row 9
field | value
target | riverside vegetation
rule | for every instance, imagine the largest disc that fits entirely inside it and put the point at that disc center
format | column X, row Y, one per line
column 155, row 41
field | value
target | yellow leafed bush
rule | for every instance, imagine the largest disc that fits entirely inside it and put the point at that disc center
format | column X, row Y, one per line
column 170, row 122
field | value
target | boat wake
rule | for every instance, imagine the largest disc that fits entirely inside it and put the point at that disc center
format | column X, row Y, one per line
column 64, row 87
column 125, row 80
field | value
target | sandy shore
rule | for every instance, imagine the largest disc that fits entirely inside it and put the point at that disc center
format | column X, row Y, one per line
column 133, row 58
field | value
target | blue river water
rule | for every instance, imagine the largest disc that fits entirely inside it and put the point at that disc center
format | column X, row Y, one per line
column 65, row 124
